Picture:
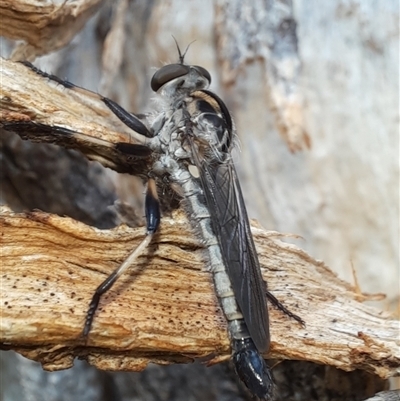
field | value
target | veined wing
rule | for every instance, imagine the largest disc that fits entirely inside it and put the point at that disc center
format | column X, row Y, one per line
column 231, row 225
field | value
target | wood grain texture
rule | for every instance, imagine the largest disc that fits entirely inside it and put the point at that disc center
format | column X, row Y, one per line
column 44, row 26
column 165, row 310
column 42, row 110
column 268, row 37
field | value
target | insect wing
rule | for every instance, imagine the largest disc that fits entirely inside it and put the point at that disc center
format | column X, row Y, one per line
column 231, row 225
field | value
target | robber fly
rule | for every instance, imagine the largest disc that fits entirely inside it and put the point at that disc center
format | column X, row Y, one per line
column 184, row 153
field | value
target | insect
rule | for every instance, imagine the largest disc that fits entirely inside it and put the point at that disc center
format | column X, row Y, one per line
column 184, row 153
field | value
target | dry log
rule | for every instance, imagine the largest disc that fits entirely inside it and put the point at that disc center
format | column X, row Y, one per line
column 42, row 110
column 43, row 26
column 165, row 310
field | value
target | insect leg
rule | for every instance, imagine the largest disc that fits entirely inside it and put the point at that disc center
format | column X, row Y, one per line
column 127, row 118
column 283, row 308
column 152, row 222
column 65, row 83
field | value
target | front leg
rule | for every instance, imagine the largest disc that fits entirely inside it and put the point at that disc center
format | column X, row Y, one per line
column 153, row 217
column 129, row 119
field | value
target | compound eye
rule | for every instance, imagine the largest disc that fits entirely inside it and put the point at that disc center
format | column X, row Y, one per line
column 203, row 72
column 167, row 74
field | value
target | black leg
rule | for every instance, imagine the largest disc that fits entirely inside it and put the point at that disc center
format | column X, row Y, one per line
column 127, row 118
column 54, row 78
column 152, row 221
column 283, row 308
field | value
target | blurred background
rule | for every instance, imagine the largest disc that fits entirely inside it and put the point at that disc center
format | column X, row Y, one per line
column 314, row 91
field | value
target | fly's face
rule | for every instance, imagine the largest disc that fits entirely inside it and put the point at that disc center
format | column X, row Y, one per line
column 176, row 81
column 193, row 111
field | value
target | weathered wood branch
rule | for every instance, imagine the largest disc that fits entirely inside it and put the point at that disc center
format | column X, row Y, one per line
column 41, row 110
column 43, row 26
column 165, row 310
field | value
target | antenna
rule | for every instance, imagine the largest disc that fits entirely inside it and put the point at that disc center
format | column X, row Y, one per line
column 182, row 56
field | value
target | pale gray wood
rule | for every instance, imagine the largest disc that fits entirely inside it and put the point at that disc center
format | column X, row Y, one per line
column 393, row 395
